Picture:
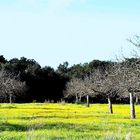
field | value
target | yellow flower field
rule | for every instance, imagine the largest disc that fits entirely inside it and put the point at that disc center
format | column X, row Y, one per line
column 44, row 121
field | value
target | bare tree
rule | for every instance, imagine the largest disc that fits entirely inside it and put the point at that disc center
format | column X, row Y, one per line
column 129, row 76
column 78, row 88
column 74, row 88
column 104, row 82
column 10, row 86
column 88, row 89
column 135, row 41
column 130, row 81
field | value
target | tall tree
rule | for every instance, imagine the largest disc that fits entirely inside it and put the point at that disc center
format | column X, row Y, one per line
column 63, row 68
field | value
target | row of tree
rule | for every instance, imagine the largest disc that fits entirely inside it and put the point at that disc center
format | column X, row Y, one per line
column 119, row 80
column 24, row 81
column 39, row 83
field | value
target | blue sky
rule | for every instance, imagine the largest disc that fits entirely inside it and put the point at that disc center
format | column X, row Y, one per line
column 77, row 31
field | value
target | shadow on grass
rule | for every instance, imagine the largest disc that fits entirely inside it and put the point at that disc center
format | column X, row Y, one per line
column 73, row 116
column 48, row 126
column 8, row 107
column 103, row 126
column 12, row 127
column 55, row 117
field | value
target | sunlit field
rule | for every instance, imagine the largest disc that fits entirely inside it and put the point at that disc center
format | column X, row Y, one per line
column 67, row 121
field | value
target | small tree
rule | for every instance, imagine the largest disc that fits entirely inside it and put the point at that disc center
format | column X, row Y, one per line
column 78, row 88
column 10, row 85
column 74, row 88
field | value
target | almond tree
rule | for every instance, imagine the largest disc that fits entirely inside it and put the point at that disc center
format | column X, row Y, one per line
column 104, row 82
column 74, row 88
column 129, row 77
column 78, row 88
column 88, row 89
column 10, row 85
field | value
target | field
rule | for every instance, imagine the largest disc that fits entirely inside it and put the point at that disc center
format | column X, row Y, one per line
column 46, row 121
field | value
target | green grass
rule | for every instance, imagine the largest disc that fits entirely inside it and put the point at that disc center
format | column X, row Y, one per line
column 67, row 122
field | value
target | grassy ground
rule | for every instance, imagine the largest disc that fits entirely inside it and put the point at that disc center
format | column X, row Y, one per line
column 69, row 121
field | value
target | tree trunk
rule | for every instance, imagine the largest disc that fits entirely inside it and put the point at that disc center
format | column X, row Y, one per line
column 77, row 100
column 88, row 101
column 10, row 98
column 132, row 106
column 137, row 100
column 110, row 106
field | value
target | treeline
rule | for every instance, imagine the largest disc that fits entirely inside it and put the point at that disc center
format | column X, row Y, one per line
column 24, row 80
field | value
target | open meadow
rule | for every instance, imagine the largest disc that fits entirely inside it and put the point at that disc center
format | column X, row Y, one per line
column 46, row 121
